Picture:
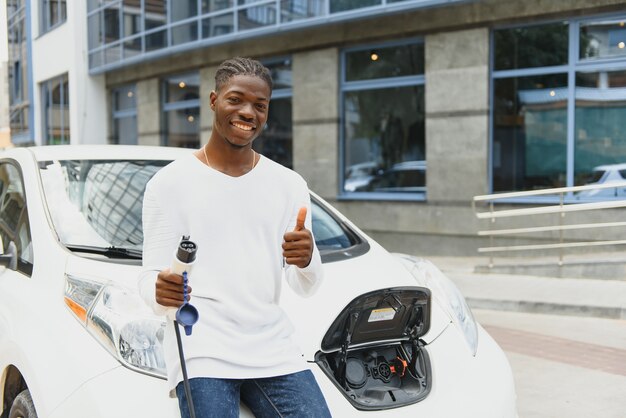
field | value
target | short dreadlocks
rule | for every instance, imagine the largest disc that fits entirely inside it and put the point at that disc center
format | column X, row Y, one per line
column 241, row 66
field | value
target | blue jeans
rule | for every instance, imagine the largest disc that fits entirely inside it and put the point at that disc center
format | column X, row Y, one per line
column 293, row 395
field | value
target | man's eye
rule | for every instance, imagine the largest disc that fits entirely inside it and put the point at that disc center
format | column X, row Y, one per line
column 261, row 106
column 232, row 100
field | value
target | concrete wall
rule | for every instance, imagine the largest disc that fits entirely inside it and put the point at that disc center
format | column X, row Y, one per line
column 457, row 108
column 63, row 50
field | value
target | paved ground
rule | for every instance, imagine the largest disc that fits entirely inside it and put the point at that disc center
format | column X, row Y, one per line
column 563, row 366
column 565, row 338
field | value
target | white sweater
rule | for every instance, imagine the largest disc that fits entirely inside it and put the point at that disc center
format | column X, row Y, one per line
column 238, row 224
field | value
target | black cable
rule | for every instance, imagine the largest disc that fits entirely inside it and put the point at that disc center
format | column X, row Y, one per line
column 183, row 366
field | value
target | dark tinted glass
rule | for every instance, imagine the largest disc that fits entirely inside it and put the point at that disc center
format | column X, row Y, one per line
column 209, row 6
column 530, row 47
column 218, row 25
column 281, row 74
column 529, row 132
column 182, row 87
column 277, row 138
column 381, row 62
column 256, row 17
column 124, row 98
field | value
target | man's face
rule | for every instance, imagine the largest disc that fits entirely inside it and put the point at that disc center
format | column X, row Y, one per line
column 241, row 107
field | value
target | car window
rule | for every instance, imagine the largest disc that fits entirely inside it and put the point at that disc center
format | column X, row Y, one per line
column 99, row 203
column 14, row 224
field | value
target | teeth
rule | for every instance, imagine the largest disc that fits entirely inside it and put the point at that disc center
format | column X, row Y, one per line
column 242, row 127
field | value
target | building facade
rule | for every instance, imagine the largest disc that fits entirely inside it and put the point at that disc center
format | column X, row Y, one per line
column 396, row 111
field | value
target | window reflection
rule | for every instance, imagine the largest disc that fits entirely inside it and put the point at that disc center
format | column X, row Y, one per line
column 603, row 39
column 600, row 140
column 292, row 10
column 530, row 47
column 530, row 132
column 55, row 97
column 344, row 5
column 181, row 110
column 385, row 147
column 390, row 61
column 277, row 138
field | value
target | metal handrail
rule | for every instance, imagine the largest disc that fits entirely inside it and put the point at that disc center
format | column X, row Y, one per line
column 560, row 208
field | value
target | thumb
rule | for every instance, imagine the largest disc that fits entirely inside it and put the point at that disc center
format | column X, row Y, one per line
column 300, row 219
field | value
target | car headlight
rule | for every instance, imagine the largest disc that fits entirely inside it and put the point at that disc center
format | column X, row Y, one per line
column 119, row 319
column 449, row 296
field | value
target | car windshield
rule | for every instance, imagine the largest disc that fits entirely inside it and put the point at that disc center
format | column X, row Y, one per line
column 96, row 204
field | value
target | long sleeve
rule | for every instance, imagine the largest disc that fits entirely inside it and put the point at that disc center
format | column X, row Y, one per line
column 158, row 243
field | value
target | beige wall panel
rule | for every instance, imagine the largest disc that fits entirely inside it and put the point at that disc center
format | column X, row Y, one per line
column 315, row 156
column 457, row 153
column 315, row 85
column 148, row 112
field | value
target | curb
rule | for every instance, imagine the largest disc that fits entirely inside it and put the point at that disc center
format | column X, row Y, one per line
column 547, row 308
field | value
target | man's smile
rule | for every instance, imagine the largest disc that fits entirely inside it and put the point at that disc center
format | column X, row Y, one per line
column 243, row 126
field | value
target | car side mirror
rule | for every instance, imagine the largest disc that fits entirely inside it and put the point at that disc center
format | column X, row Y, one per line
column 8, row 259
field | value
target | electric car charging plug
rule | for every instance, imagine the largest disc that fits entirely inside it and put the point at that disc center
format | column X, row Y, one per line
column 186, row 315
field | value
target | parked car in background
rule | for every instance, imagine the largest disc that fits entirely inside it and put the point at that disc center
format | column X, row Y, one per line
column 408, row 176
column 386, row 335
column 606, row 174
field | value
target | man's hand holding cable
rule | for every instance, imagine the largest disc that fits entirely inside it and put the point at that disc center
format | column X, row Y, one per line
column 298, row 245
column 169, row 289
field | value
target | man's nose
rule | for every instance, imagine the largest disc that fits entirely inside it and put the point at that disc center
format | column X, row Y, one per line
column 246, row 111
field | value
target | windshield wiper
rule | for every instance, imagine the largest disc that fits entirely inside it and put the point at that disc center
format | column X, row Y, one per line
column 111, row 252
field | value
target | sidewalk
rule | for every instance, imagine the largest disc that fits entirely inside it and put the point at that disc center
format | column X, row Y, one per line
column 533, row 294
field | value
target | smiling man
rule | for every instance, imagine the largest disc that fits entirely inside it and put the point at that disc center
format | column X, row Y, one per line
column 250, row 218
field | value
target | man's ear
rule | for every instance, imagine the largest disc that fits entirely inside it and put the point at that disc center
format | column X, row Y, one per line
column 212, row 99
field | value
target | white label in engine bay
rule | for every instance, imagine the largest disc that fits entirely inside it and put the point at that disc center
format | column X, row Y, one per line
column 385, row 314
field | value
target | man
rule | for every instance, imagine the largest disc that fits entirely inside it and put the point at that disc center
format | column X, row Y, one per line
column 250, row 218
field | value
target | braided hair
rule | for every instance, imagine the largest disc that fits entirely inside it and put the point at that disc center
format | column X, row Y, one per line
column 241, row 66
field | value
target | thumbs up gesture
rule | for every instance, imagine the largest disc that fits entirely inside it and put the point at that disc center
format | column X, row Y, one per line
column 298, row 245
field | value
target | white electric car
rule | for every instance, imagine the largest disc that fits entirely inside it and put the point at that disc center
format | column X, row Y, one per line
column 386, row 335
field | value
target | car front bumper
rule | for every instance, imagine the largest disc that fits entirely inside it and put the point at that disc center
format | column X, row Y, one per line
column 119, row 393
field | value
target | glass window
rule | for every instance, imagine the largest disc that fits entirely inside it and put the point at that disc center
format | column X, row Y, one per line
column 111, row 24
column 603, row 39
column 530, row 132
column 384, row 141
column 292, row 10
column 256, row 17
column 277, row 138
column 155, row 14
column 532, row 135
column 131, row 17
column 386, row 61
column 181, row 110
column 530, row 47
column 343, row 5
column 184, row 33
column 56, row 111
column 600, row 139
column 209, row 6
column 14, row 224
column 183, row 9
column 124, row 115
column 53, row 13
column 218, row 25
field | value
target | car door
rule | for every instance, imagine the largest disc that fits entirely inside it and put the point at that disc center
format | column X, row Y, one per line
column 16, row 258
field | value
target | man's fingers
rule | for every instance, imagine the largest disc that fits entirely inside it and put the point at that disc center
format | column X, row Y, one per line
column 300, row 219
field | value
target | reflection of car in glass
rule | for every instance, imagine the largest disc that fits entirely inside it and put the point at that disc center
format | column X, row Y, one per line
column 408, row 176
column 385, row 335
column 605, row 174
column 359, row 175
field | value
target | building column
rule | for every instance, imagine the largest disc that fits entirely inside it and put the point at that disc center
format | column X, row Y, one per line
column 149, row 112
column 316, row 119
column 457, row 115
column 207, row 84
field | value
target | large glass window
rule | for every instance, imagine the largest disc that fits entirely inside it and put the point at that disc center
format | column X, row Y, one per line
column 181, row 110
column 55, row 101
column 557, row 115
column 52, row 13
column 19, row 94
column 14, row 224
column 384, row 144
column 123, row 29
column 276, row 141
column 124, row 115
